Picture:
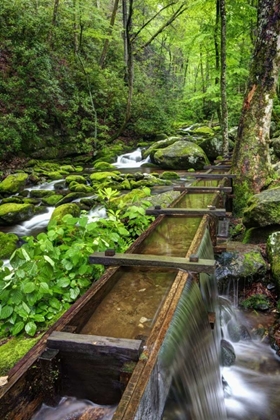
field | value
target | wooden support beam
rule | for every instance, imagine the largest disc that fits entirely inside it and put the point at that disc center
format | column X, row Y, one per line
column 218, row 167
column 171, row 211
column 191, row 264
column 210, row 175
column 201, row 189
column 93, row 344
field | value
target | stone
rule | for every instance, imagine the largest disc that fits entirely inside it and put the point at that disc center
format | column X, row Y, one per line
column 228, row 355
column 273, row 254
column 61, row 211
column 12, row 213
column 8, row 244
column 13, row 184
column 181, row 155
column 263, row 209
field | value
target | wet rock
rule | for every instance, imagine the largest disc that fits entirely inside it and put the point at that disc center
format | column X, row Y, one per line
column 240, row 261
column 273, row 253
column 228, row 355
column 234, row 331
column 13, row 213
column 61, row 211
column 181, row 155
column 13, row 183
column 263, row 209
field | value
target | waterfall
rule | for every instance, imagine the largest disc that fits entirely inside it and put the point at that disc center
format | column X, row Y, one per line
column 191, row 353
column 131, row 160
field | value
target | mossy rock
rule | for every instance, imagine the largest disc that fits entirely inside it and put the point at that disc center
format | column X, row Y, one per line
column 102, row 166
column 161, row 144
column 125, row 185
column 273, row 253
column 263, row 209
column 40, row 193
column 12, row 213
column 52, row 200
column 29, row 200
column 56, row 175
column 204, row 131
column 169, row 175
column 13, row 183
column 75, row 178
column 77, row 187
column 70, row 197
column 103, row 176
column 181, row 155
column 68, row 208
column 67, row 168
column 8, row 244
column 132, row 197
column 13, row 199
column 79, row 169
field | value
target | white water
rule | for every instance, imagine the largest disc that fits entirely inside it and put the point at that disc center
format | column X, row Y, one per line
column 131, row 160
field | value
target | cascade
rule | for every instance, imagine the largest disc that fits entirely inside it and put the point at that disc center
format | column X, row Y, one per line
column 191, row 349
column 131, row 160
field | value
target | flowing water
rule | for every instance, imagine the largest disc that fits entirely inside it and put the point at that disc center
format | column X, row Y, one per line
column 191, row 349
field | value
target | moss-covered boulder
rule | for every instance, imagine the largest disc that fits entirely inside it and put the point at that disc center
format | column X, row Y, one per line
column 240, row 261
column 169, row 175
column 106, row 175
column 52, row 200
column 181, row 155
column 161, row 144
column 13, row 184
column 75, row 178
column 70, row 197
column 263, row 209
column 77, row 187
column 8, row 244
column 273, row 253
column 41, row 193
column 12, row 213
column 103, row 166
column 61, row 211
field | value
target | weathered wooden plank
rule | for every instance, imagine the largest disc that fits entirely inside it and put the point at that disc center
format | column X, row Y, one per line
column 201, row 266
column 93, row 344
column 171, row 211
column 222, row 166
column 210, row 175
column 201, row 189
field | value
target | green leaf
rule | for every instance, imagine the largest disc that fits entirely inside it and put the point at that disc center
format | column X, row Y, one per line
column 83, row 269
column 18, row 327
column 39, row 318
column 63, row 282
column 74, row 293
column 28, row 287
column 54, row 303
column 30, row 328
column 44, row 287
column 6, row 312
column 47, row 258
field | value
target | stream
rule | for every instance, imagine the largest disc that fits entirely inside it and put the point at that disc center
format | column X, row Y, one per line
column 250, row 385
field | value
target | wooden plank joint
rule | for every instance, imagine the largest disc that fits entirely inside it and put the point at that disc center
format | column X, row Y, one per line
column 201, row 266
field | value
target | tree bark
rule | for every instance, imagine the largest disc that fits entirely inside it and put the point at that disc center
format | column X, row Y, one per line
column 106, row 43
column 224, row 107
column 251, row 160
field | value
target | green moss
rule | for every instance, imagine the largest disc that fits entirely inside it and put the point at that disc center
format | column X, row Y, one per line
column 13, row 183
column 242, row 193
column 69, row 208
column 8, row 244
column 101, row 166
column 169, row 175
column 75, row 178
column 52, row 200
column 13, row 350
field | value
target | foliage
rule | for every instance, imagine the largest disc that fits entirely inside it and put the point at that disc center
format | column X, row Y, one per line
column 50, row 272
column 256, row 302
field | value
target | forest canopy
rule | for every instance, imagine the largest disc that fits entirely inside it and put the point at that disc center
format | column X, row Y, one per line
column 79, row 73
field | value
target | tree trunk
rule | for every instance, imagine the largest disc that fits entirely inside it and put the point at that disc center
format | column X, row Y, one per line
column 106, row 43
column 224, row 107
column 251, row 160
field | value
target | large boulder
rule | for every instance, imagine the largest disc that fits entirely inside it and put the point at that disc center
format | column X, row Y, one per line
column 61, row 211
column 12, row 213
column 239, row 261
column 273, row 253
column 181, row 155
column 13, row 184
column 161, row 144
column 263, row 209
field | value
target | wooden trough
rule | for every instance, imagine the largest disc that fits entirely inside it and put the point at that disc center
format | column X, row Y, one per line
column 105, row 369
